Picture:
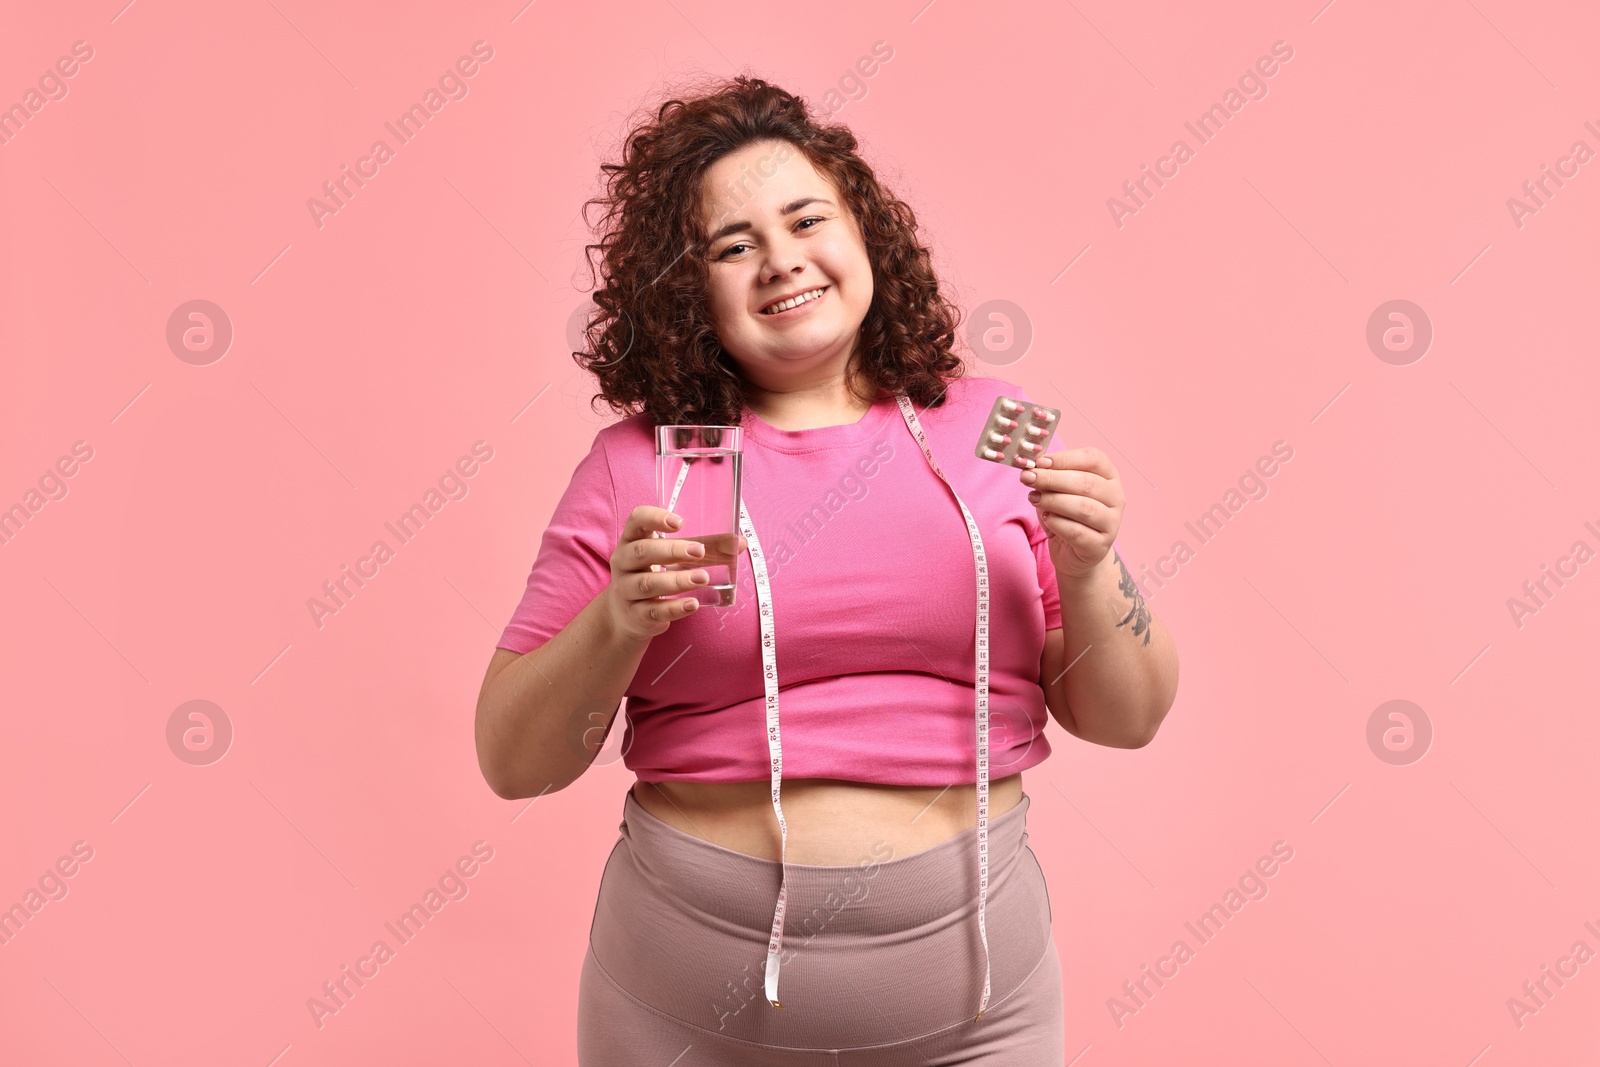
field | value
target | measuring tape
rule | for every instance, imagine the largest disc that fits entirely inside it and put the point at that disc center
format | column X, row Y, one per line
column 769, row 674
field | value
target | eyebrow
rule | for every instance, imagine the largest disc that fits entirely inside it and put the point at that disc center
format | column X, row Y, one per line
column 788, row 209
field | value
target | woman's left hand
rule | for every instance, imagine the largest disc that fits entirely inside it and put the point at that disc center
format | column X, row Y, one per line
column 1080, row 501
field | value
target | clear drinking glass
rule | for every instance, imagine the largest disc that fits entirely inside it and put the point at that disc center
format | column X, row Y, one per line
column 697, row 477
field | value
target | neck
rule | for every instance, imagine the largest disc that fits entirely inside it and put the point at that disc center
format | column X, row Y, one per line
column 808, row 405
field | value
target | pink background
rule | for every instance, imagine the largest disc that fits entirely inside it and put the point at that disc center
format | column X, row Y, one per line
column 369, row 354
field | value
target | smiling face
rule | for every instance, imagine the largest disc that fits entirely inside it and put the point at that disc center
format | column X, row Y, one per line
column 778, row 229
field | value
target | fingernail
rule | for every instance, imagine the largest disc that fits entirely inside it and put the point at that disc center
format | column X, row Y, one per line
column 696, row 549
column 674, row 520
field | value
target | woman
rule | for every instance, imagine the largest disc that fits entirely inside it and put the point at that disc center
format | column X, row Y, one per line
column 757, row 273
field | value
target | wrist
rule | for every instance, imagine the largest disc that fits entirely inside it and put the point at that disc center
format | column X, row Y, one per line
column 1090, row 583
column 615, row 622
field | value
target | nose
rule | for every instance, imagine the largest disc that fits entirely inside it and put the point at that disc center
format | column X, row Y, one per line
column 783, row 257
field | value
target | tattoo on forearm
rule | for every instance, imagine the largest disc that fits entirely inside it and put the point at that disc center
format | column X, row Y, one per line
column 1138, row 612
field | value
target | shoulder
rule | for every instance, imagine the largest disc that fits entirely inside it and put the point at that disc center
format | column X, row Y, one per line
column 971, row 392
column 627, row 436
column 623, row 456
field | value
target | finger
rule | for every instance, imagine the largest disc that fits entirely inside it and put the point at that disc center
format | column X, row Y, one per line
column 1078, row 482
column 1087, row 458
column 649, row 585
column 665, row 610
column 649, row 553
column 647, row 520
column 1080, row 509
column 1074, row 533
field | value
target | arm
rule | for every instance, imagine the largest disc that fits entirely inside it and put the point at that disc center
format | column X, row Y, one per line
column 536, row 736
column 1110, row 673
column 1123, row 663
column 542, row 715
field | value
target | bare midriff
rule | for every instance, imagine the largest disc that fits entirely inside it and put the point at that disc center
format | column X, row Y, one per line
column 832, row 822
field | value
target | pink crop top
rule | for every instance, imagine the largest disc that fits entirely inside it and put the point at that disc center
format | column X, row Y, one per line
column 874, row 600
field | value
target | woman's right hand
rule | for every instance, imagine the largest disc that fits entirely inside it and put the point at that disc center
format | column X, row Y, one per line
column 635, row 584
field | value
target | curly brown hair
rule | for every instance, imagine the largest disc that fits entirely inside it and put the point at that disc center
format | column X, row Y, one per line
column 651, row 341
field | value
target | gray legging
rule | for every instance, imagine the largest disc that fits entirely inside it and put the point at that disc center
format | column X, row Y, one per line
column 882, row 964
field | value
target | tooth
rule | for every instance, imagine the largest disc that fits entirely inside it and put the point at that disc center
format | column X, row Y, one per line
column 785, row 305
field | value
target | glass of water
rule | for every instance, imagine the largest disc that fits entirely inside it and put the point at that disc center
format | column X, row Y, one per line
column 697, row 477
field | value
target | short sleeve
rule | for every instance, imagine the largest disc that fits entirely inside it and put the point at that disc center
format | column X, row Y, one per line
column 1039, row 538
column 574, row 560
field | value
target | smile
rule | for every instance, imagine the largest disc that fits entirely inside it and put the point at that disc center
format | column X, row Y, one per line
column 793, row 302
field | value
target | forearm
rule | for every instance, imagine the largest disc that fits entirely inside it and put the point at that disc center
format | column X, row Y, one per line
column 1122, row 664
column 542, row 718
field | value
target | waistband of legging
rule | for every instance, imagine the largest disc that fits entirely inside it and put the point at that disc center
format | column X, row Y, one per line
column 884, row 894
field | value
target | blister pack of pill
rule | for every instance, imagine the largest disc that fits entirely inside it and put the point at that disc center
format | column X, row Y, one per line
column 1017, row 432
